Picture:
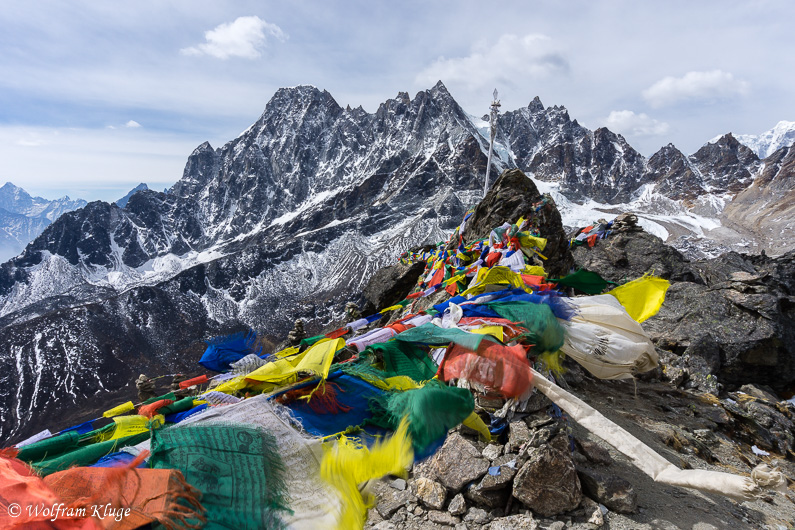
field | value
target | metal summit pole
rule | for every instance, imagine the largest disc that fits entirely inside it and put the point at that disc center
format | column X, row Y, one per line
column 495, row 108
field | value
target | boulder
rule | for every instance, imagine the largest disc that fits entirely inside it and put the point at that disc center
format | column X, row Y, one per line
column 492, row 451
column 594, row 452
column 514, row 195
column 612, row 491
column 392, row 284
column 457, row 463
column 759, row 392
column 430, row 493
column 489, row 498
column 547, row 483
column 628, row 255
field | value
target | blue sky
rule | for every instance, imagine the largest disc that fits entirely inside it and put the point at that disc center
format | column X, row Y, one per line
column 96, row 97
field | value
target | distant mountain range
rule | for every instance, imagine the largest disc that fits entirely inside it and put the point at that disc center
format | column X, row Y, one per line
column 291, row 217
column 23, row 218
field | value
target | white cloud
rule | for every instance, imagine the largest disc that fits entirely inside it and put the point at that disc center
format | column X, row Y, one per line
column 242, row 38
column 511, row 59
column 705, row 87
column 627, row 123
column 132, row 124
column 24, row 142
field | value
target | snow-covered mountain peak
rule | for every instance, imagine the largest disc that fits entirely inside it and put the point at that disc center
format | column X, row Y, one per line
column 767, row 143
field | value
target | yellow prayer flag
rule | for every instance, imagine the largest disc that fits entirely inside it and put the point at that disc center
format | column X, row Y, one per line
column 129, row 425
column 347, row 465
column 315, row 360
column 454, row 279
column 643, row 297
column 287, row 352
column 528, row 241
column 534, row 270
column 474, row 422
column 501, row 276
column 495, row 331
column 121, row 409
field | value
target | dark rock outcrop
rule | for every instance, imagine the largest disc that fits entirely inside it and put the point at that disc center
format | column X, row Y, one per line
column 629, row 255
column 512, row 196
column 390, row 285
column 732, row 317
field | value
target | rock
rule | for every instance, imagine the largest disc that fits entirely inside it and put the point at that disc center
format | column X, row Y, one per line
column 392, row 284
column 630, row 255
column 391, row 501
column 505, row 470
column 297, row 334
column 536, row 402
column 458, row 506
column 431, row 493
column 492, row 451
column 398, row 484
column 612, row 491
column 513, row 522
column 594, row 452
column 547, row 482
column 456, row 463
column 443, row 518
column 597, row 518
column 489, row 498
column 674, row 374
column 518, row 434
column 752, row 332
column 478, row 516
column 489, row 403
column 759, row 391
column 626, row 222
column 384, row 525
column 514, row 195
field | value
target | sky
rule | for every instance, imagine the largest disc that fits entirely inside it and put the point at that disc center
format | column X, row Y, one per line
column 98, row 96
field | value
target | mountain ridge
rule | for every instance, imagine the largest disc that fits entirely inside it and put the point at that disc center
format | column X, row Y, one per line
column 291, row 217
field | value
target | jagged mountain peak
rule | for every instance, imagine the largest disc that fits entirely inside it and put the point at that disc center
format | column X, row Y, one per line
column 726, row 145
column 536, row 106
column 121, row 203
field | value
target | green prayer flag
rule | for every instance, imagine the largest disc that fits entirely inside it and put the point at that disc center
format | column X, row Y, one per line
column 404, row 358
column 84, row 456
column 238, row 469
column 437, row 336
column 544, row 330
column 584, row 281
